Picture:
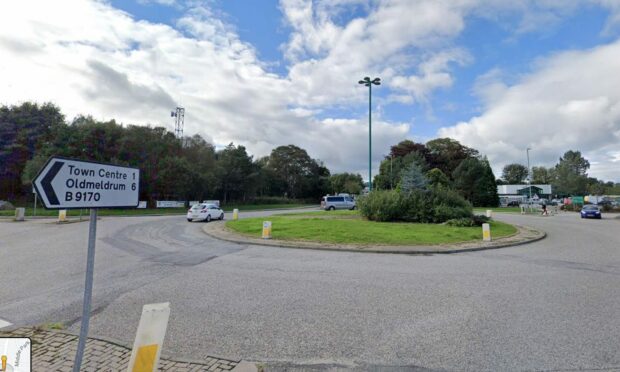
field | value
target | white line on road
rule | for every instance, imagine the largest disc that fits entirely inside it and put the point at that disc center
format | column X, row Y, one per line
column 4, row 323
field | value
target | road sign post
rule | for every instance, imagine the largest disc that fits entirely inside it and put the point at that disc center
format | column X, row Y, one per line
column 75, row 184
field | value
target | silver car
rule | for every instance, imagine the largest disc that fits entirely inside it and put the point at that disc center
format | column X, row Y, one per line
column 331, row 203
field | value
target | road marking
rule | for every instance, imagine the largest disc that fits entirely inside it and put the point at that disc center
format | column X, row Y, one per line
column 4, row 323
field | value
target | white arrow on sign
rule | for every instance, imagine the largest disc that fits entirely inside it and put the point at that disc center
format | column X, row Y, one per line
column 70, row 184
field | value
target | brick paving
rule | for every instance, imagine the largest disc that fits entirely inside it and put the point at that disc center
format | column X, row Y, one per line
column 55, row 350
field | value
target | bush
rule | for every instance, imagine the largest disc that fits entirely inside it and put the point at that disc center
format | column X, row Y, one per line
column 448, row 204
column 436, row 205
column 468, row 222
column 381, row 205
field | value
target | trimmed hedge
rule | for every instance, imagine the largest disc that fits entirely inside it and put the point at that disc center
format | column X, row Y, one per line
column 435, row 205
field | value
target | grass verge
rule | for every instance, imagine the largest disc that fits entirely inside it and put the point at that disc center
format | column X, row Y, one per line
column 348, row 227
column 140, row 212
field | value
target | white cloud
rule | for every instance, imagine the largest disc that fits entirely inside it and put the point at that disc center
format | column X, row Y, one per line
column 570, row 102
column 433, row 73
column 323, row 49
column 90, row 58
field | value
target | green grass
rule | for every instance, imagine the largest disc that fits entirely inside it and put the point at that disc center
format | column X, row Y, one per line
column 350, row 227
column 139, row 212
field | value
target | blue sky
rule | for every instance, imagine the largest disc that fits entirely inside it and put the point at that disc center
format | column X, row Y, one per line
column 491, row 44
column 496, row 75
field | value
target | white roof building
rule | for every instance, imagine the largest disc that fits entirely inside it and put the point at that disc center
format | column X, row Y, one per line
column 503, row 190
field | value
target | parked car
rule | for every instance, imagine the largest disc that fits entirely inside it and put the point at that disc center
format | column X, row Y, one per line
column 205, row 212
column 591, row 211
column 514, row 203
column 330, row 203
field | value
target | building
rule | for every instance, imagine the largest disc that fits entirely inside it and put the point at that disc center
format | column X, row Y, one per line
column 519, row 193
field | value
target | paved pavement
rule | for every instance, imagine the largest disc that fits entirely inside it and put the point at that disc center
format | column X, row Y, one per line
column 55, row 351
column 549, row 305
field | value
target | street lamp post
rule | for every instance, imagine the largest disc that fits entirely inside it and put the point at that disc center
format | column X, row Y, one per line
column 529, row 178
column 391, row 159
column 367, row 82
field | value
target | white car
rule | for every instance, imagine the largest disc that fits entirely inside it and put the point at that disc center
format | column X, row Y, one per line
column 205, row 212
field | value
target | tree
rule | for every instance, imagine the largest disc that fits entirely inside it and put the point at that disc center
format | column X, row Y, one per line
column 234, row 166
column 438, row 178
column 446, row 154
column 571, row 174
column 346, row 183
column 413, row 178
column 595, row 186
column 171, row 167
column 406, row 147
column 542, row 175
column 391, row 168
column 612, row 189
column 301, row 175
column 475, row 181
column 514, row 173
column 487, row 187
column 23, row 130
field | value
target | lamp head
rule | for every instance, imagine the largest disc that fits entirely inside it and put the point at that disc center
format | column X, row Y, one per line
column 366, row 81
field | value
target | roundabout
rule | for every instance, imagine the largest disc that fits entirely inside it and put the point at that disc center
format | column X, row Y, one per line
column 347, row 231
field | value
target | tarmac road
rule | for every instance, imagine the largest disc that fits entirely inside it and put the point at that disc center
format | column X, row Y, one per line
column 549, row 305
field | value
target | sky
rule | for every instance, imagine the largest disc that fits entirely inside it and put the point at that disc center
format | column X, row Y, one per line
column 499, row 76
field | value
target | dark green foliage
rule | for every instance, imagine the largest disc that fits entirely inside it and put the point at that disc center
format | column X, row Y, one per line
column 542, row 175
column 437, row 178
column 571, row 176
column 346, row 183
column 23, row 129
column 296, row 173
column 428, row 206
column 514, row 173
column 391, row 169
column 171, row 168
column 446, row 154
column 475, row 181
column 476, row 220
column 382, row 205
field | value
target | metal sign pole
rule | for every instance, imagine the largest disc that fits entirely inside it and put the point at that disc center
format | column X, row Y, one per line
column 35, row 205
column 88, row 289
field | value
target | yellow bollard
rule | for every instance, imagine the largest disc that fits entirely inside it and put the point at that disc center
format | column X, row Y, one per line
column 235, row 214
column 266, row 229
column 149, row 338
column 486, row 232
column 489, row 213
column 62, row 215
